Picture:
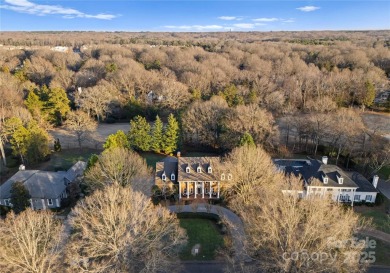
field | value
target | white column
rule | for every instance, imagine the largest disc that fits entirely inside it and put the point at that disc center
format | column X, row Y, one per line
column 188, row 190
column 43, row 203
column 179, row 190
column 210, row 189
column 203, row 189
column 195, row 188
column 218, row 190
column 58, row 202
column 353, row 197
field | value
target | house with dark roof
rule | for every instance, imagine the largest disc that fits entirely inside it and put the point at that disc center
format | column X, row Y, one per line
column 326, row 180
column 192, row 177
column 46, row 189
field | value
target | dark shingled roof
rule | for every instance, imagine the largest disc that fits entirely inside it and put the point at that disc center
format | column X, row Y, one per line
column 312, row 170
column 363, row 184
column 193, row 163
column 167, row 165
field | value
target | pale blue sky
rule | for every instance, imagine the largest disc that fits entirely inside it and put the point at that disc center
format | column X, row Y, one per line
column 122, row 15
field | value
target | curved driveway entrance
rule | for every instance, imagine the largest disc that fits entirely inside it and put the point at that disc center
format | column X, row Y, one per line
column 236, row 226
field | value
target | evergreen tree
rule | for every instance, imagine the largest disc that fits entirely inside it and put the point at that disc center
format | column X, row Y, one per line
column 37, row 143
column 34, row 104
column 171, row 135
column 369, row 96
column 20, row 197
column 57, row 105
column 31, row 142
column 139, row 134
column 246, row 139
column 157, row 135
column 119, row 139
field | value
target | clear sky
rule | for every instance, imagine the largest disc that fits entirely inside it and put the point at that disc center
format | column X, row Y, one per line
column 125, row 15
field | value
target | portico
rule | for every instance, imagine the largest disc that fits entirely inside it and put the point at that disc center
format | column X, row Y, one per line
column 199, row 189
column 192, row 177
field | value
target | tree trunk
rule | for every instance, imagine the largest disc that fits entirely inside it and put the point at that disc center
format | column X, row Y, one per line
column 338, row 154
column 3, row 152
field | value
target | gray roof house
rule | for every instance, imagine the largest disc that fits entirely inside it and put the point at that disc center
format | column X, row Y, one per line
column 321, row 178
column 46, row 188
column 192, row 177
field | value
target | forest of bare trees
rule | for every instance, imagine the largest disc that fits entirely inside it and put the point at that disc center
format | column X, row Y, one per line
column 219, row 85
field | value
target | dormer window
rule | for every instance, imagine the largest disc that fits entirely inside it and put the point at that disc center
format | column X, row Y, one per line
column 187, row 169
column 325, row 179
column 164, row 177
column 340, row 179
column 230, row 176
column 198, row 169
column 223, row 176
column 209, row 169
column 173, row 177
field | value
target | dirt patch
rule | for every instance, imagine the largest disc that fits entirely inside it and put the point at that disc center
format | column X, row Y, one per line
column 379, row 122
column 68, row 140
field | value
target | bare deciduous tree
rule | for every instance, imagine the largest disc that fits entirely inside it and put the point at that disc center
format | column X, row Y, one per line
column 288, row 234
column 81, row 124
column 120, row 166
column 119, row 230
column 29, row 242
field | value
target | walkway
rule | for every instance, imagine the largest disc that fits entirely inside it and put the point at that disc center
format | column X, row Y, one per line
column 383, row 236
column 236, row 226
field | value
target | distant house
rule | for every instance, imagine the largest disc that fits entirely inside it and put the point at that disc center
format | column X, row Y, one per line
column 60, row 48
column 193, row 177
column 46, row 189
column 322, row 179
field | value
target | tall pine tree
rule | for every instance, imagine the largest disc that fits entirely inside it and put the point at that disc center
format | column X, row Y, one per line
column 139, row 134
column 171, row 135
column 157, row 135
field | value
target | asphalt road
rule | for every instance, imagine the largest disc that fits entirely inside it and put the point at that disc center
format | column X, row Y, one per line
column 217, row 267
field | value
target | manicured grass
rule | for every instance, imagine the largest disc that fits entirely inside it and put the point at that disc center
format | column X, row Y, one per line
column 384, row 172
column 380, row 220
column 382, row 253
column 66, row 158
column 151, row 158
column 203, row 232
column 377, row 214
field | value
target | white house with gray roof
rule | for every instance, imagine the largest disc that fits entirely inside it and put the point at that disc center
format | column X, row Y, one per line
column 323, row 179
column 194, row 177
column 46, row 189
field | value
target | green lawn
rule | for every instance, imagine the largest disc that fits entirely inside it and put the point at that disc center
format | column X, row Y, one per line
column 384, row 173
column 377, row 214
column 151, row 158
column 382, row 253
column 380, row 219
column 65, row 159
column 203, row 232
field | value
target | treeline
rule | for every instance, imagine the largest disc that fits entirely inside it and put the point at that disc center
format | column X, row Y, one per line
column 279, row 73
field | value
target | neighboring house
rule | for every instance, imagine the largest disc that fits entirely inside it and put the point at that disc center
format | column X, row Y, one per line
column 60, row 48
column 322, row 179
column 192, row 177
column 46, row 189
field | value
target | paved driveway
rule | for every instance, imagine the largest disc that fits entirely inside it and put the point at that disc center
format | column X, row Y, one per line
column 384, row 187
